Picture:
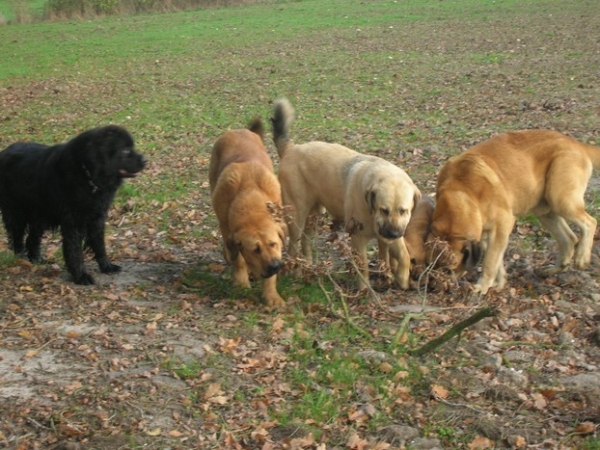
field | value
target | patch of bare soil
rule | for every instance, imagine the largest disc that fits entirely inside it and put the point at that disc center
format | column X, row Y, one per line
column 103, row 367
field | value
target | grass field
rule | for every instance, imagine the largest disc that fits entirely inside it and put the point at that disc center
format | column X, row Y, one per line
column 168, row 354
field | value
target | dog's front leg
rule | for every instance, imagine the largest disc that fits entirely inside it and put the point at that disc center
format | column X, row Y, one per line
column 359, row 245
column 401, row 262
column 240, row 272
column 95, row 240
column 493, row 272
column 272, row 298
column 72, row 244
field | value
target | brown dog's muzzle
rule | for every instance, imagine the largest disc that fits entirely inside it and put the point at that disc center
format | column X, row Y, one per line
column 272, row 269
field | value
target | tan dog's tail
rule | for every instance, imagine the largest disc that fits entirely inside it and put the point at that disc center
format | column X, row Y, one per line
column 283, row 116
column 256, row 126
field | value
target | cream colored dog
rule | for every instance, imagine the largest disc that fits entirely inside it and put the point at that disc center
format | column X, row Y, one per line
column 244, row 192
column 481, row 192
column 370, row 196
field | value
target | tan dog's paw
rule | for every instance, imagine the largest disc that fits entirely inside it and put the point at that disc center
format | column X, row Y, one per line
column 272, row 298
column 480, row 289
column 241, row 279
column 274, row 303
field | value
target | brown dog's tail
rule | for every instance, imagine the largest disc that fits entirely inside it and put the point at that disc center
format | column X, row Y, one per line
column 256, row 126
column 283, row 116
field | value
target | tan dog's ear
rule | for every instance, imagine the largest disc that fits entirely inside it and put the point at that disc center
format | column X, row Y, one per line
column 370, row 197
column 233, row 247
column 416, row 200
column 472, row 254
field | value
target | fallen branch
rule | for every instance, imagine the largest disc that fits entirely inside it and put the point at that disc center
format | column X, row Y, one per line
column 456, row 330
column 404, row 326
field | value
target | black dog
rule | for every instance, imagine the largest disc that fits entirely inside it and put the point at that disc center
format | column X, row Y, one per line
column 68, row 186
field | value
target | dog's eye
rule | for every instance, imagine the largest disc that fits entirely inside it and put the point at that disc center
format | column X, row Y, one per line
column 273, row 244
column 384, row 211
column 403, row 212
column 256, row 251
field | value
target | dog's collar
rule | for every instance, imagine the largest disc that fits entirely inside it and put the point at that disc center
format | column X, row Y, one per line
column 89, row 179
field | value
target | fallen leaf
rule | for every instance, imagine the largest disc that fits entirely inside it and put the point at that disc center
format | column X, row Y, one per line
column 585, row 428
column 480, row 443
column 438, row 392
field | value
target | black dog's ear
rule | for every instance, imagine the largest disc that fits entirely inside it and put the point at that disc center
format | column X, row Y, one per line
column 370, row 199
column 472, row 254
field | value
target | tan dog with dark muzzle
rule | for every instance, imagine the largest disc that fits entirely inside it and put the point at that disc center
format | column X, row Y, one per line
column 373, row 198
column 245, row 192
column 482, row 191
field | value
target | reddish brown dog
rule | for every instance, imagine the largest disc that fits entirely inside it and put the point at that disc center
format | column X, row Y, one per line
column 482, row 191
column 245, row 192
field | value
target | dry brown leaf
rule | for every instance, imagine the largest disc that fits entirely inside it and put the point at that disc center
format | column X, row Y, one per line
column 539, row 401
column 585, row 428
column 385, row 367
column 154, row 432
column 438, row 392
column 480, row 443
column 355, row 442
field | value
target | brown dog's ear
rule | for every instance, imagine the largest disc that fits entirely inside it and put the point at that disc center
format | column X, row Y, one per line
column 256, row 126
column 416, row 200
column 233, row 247
column 370, row 197
column 472, row 254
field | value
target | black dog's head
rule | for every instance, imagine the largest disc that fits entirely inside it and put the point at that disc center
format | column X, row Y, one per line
column 106, row 154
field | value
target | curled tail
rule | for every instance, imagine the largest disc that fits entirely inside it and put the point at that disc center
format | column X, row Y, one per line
column 283, row 116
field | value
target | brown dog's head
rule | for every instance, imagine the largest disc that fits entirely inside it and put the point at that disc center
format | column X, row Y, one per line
column 391, row 202
column 261, row 245
column 417, row 231
column 458, row 223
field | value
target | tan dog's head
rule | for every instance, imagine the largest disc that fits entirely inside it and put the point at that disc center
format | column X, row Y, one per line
column 457, row 222
column 391, row 201
column 261, row 245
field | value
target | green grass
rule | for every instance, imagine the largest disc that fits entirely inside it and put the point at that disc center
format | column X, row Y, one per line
column 33, row 7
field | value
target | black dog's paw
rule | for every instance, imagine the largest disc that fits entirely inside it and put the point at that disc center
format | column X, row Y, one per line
column 110, row 268
column 85, row 279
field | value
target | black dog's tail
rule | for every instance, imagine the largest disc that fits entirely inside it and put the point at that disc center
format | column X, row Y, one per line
column 256, row 126
column 283, row 116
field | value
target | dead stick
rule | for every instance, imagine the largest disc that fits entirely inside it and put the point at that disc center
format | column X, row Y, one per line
column 454, row 331
column 346, row 314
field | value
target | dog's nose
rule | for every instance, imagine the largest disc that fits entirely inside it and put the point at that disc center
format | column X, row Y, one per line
column 273, row 268
column 391, row 233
